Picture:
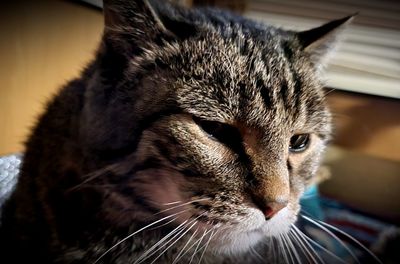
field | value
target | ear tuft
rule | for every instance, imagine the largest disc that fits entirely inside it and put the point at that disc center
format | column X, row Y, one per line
column 140, row 23
column 135, row 14
column 321, row 41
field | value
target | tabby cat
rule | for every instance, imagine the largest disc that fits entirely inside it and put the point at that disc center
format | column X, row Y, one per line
column 189, row 138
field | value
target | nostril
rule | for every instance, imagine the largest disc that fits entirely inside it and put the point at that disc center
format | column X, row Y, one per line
column 268, row 212
column 272, row 208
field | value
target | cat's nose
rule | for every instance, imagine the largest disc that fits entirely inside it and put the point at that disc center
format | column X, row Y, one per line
column 271, row 208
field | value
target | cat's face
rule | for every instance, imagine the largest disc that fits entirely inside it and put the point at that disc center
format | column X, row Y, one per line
column 247, row 137
column 235, row 125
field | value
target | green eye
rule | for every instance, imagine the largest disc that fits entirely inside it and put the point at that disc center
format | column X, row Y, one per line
column 299, row 143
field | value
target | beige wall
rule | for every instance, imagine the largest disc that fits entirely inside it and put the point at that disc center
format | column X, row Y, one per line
column 42, row 45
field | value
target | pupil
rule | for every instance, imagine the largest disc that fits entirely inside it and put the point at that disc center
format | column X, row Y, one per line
column 299, row 142
column 212, row 128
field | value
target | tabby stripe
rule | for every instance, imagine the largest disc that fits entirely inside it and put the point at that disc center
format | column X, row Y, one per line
column 264, row 91
column 284, row 93
column 297, row 90
column 289, row 166
column 296, row 93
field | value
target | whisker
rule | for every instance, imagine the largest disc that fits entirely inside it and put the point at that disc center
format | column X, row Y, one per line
column 93, row 175
column 296, row 255
column 207, row 243
column 282, row 249
column 289, row 250
column 184, row 233
column 301, row 246
column 148, row 253
column 176, row 206
column 328, row 92
column 197, row 242
column 167, row 223
column 308, row 196
column 254, row 251
column 352, row 239
column 298, row 234
column 171, row 203
column 197, row 246
column 333, row 235
column 274, row 253
column 322, row 248
column 291, row 255
column 136, row 232
column 178, row 257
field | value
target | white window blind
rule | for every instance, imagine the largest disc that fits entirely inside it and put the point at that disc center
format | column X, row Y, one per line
column 368, row 60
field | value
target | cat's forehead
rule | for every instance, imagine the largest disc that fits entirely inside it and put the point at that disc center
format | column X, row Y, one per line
column 230, row 74
column 241, row 77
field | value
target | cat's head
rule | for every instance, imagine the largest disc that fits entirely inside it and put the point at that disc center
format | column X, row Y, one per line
column 208, row 117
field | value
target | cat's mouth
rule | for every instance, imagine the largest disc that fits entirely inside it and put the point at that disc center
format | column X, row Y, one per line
column 234, row 233
column 250, row 230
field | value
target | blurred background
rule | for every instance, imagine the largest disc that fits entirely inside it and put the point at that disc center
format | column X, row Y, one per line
column 43, row 44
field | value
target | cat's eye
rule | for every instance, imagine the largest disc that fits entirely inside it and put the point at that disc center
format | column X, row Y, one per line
column 299, row 143
column 224, row 133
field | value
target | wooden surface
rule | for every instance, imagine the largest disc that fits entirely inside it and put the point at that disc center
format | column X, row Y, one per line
column 366, row 183
column 366, row 124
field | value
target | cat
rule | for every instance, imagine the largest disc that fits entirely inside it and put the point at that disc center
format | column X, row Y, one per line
column 190, row 137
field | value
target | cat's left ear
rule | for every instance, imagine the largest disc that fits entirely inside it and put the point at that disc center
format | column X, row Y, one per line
column 135, row 19
column 321, row 41
column 132, row 24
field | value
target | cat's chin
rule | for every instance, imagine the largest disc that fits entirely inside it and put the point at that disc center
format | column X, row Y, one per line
column 252, row 231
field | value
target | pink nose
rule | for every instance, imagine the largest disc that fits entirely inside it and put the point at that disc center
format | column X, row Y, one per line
column 271, row 208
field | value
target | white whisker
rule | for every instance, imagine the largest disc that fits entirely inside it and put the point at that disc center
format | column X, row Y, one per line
column 273, row 248
column 180, row 255
column 282, row 249
column 176, row 206
column 136, row 232
column 151, row 251
column 296, row 255
column 304, row 243
column 333, row 235
column 305, row 253
column 184, row 233
column 208, row 242
column 308, row 196
column 164, row 224
column 171, row 203
column 352, row 239
column 289, row 250
column 254, row 252
column 322, row 248
column 197, row 246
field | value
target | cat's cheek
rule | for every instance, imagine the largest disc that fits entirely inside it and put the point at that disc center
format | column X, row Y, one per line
column 162, row 189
